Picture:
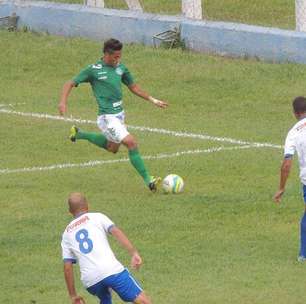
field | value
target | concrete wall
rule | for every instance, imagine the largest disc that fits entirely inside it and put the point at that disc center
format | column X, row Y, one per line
column 230, row 39
column 96, row 23
column 239, row 40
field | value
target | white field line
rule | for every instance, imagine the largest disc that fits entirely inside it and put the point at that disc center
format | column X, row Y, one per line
column 93, row 163
column 146, row 129
column 12, row 105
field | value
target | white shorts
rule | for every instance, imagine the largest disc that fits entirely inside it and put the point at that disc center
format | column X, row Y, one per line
column 113, row 127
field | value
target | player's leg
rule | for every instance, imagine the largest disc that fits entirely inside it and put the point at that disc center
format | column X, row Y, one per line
column 101, row 291
column 112, row 147
column 95, row 138
column 106, row 140
column 114, row 129
column 138, row 163
column 135, row 157
column 105, row 296
column 142, row 299
column 302, row 254
column 127, row 288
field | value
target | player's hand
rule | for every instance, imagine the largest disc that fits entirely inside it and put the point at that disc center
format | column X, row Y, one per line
column 62, row 108
column 278, row 196
column 77, row 300
column 159, row 103
column 136, row 261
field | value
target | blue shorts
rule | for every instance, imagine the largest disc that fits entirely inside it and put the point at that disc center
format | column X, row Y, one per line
column 304, row 193
column 122, row 283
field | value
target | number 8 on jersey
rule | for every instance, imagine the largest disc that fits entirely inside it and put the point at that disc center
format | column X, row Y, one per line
column 85, row 243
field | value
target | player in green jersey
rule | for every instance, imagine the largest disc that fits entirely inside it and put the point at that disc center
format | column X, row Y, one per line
column 105, row 78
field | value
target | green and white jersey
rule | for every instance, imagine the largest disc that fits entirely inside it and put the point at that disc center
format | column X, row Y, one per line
column 105, row 81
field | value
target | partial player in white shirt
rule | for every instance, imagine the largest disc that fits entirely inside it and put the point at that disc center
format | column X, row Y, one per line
column 85, row 241
column 296, row 142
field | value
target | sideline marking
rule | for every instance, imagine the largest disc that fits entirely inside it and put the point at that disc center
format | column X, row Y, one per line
column 93, row 163
column 146, row 129
column 12, row 105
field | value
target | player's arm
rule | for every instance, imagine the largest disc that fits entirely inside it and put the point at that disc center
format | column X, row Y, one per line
column 69, row 278
column 62, row 106
column 119, row 235
column 137, row 90
column 84, row 76
column 284, row 173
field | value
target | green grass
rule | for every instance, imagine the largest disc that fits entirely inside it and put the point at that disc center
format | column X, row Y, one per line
column 275, row 13
column 221, row 241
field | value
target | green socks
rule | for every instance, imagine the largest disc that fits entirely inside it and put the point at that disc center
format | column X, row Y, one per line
column 137, row 162
column 100, row 140
column 97, row 139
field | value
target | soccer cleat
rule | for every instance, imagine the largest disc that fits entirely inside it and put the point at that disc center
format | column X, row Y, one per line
column 155, row 180
column 301, row 259
column 73, row 132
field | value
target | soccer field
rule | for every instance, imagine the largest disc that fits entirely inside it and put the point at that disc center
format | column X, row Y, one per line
column 221, row 241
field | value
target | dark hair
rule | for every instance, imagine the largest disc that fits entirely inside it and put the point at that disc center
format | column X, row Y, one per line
column 299, row 104
column 112, row 45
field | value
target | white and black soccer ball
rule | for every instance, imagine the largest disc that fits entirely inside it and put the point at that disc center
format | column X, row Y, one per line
column 173, row 183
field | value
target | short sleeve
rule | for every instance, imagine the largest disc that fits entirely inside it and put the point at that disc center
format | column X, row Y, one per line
column 67, row 254
column 127, row 77
column 106, row 222
column 290, row 145
column 83, row 76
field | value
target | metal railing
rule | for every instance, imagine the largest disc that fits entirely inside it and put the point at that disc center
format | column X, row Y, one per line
column 9, row 22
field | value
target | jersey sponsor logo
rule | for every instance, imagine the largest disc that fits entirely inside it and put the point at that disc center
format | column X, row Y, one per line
column 76, row 224
column 97, row 66
column 119, row 71
column 117, row 104
column 103, row 76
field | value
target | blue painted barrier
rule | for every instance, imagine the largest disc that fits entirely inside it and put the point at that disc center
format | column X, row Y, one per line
column 239, row 40
column 229, row 39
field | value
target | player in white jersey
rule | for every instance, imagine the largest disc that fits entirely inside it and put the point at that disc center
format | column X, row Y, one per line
column 85, row 241
column 296, row 142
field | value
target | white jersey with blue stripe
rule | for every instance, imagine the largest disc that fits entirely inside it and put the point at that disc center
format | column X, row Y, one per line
column 85, row 241
column 296, row 142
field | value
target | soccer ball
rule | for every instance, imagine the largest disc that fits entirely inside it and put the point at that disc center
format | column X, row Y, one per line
column 173, row 183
